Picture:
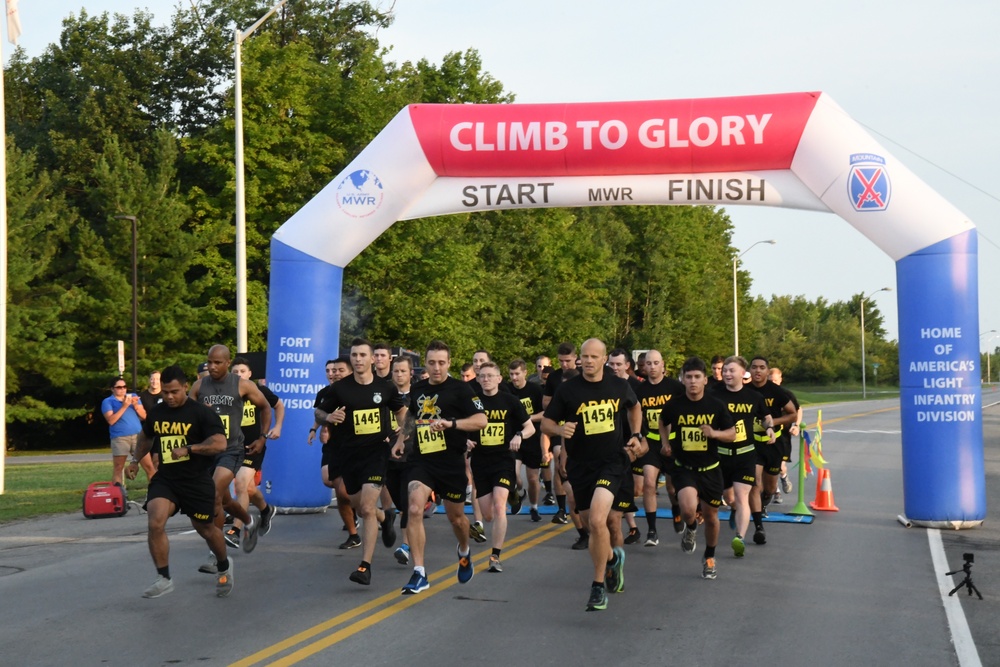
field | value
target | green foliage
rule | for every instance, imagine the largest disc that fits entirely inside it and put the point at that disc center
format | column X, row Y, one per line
column 123, row 118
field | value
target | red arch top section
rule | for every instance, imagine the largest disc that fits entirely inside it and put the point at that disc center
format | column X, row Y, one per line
column 610, row 138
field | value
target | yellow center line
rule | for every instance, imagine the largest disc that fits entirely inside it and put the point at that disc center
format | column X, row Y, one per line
column 524, row 542
column 854, row 416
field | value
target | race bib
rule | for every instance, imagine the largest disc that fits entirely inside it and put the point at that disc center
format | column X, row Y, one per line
column 169, row 443
column 528, row 407
column 225, row 423
column 693, row 440
column 741, row 431
column 249, row 414
column 367, row 422
column 393, row 424
column 653, row 418
column 598, row 419
column 429, row 441
column 492, row 435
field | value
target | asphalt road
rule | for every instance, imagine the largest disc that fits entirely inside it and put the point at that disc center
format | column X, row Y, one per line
column 854, row 587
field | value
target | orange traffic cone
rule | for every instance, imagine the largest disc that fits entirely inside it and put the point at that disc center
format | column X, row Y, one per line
column 824, row 493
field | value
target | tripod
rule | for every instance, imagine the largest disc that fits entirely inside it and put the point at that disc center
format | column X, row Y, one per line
column 967, row 581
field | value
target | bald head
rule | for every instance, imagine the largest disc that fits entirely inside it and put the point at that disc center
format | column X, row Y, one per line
column 654, row 366
column 593, row 354
column 218, row 362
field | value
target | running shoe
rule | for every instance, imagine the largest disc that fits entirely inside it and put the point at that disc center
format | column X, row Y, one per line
column 389, row 529
column 535, row 516
column 549, row 499
column 402, row 554
column 598, row 598
column 249, row 540
column 351, row 542
column 429, row 508
column 477, row 532
column 161, row 586
column 678, row 523
column 229, row 519
column 362, row 575
column 610, row 581
column 652, row 539
column 618, row 565
column 224, row 583
column 786, row 484
column 689, row 540
column 211, row 566
column 516, row 500
column 265, row 519
column 581, row 544
column 739, row 547
column 776, row 500
column 232, row 538
column 465, row 569
column 417, row 584
column 708, row 568
column 759, row 537
column 633, row 536
column 495, row 564
column 560, row 517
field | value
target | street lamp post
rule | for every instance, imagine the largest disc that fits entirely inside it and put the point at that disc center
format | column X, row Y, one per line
column 736, row 307
column 241, row 215
column 135, row 297
column 864, row 386
column 991, row 331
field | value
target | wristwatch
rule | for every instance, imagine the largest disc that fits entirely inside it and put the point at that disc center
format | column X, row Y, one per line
column 637, row 436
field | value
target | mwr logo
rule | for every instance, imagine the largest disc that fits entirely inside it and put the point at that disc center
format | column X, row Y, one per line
column 359, row 194
column 868, row 184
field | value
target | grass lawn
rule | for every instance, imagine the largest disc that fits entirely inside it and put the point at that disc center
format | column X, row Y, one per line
column 50, row 488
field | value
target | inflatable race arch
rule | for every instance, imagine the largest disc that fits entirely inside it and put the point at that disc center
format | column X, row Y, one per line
column 796, row 150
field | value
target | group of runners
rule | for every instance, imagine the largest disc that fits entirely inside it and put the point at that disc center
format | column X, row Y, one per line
column 594, row 433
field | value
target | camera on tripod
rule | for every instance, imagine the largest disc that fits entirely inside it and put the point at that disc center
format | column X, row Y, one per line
column 969, row 559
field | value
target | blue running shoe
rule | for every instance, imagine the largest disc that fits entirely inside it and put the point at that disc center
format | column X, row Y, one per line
column 417, row 584
column 465, row 569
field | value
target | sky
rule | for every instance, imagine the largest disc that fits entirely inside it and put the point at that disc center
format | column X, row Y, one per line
column 920, row 75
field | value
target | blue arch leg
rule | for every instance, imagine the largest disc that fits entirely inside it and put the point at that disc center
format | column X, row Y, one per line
column 944, row 482
column 303, row 332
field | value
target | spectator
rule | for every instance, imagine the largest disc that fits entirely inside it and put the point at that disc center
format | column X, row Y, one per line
column 151, row 395
column 124, row 414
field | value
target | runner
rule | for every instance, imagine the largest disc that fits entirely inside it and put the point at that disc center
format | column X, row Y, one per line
column 187, row 437
column 226, row 393
column 691, row 427
column 592, row 408
column 620, row 363
column 249, row 472
column 359, row 430
column 775, row 376
column 534, row 450
column 492, row 459
column 336, row 370
column 443, row 410
column 396, row 470
column 739, row 458
column 769, row 456
column 566, row 354
column 653, row 394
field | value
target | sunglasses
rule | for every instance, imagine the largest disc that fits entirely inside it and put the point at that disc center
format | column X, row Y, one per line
column 121, row 386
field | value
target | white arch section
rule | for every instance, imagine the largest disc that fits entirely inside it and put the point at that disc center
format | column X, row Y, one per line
column 797, row 150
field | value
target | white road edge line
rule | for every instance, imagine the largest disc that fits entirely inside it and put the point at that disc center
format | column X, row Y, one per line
column 961, row 637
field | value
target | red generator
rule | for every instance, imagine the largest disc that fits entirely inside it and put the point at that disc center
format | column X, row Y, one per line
column 104, row 499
